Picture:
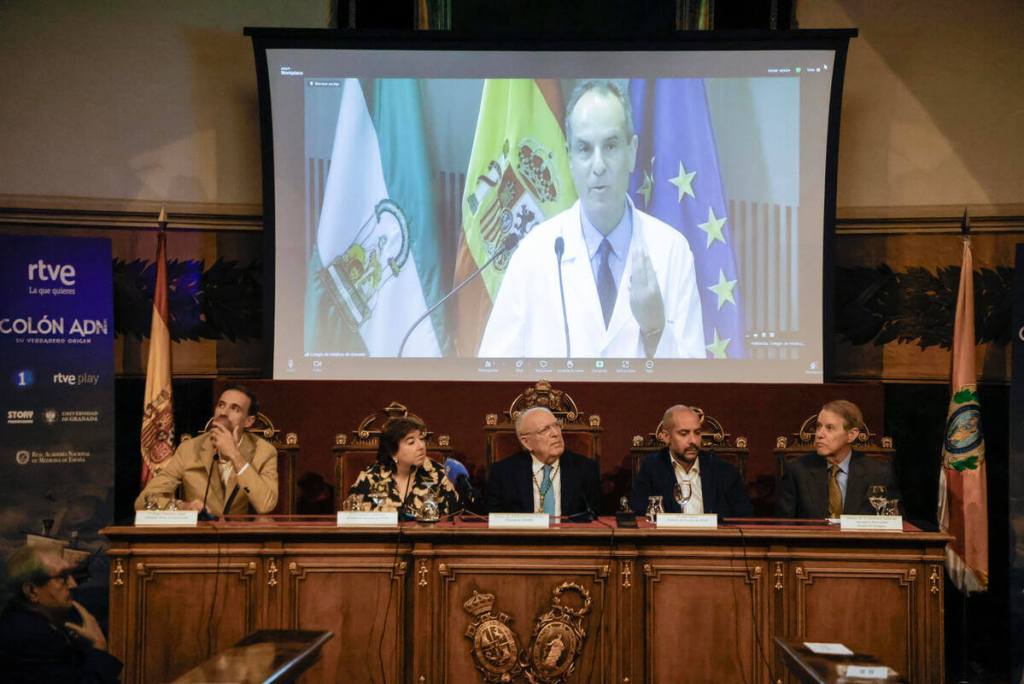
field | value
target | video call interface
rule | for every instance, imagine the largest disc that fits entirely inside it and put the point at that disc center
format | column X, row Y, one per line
column 441, row 215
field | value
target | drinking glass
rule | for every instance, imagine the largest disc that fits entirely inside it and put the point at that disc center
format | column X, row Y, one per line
column 379, row 494
column 682, row 493
column 892, row 507
column 877, row 497
column 654, row 507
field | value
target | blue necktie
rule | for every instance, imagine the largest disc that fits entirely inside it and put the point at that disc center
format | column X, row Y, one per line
column 546, row 494
column 605, row 281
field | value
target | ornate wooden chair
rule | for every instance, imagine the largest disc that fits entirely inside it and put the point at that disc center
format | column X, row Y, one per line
column 582, row 434
column 728, row 447
column 801, row 442
column 354, row 452
column 287, row 458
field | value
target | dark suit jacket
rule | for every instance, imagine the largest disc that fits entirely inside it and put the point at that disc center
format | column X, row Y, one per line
column 721, row 486
column 510, row 484
column 32, row 650
column 803, row 492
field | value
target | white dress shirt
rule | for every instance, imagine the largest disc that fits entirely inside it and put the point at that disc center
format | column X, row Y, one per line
column 538, row 480
column 696, row 502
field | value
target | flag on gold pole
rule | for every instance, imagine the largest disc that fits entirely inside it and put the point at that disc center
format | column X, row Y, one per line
column 963, row 497
column 158, row 409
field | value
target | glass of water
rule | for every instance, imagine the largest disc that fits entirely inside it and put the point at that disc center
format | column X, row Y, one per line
column 654, row 507
column 877, row 497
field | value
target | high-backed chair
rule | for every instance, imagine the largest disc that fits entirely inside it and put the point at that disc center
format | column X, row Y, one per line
column 728, row 447
column 287, row 458
column 582, row 434
column 354, row 452
column 801, row 443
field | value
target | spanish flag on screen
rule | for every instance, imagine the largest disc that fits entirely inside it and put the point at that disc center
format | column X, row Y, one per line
column 518, row 176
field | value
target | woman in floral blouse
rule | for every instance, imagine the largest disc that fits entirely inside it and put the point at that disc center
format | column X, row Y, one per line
column 403, row 475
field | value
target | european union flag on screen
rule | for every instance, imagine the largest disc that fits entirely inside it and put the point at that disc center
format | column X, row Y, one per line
column 677, row 180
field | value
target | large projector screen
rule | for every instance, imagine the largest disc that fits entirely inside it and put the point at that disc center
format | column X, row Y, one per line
column 435, row 213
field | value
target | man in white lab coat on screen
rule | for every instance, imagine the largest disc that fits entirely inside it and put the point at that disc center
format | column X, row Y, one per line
column 630, row 287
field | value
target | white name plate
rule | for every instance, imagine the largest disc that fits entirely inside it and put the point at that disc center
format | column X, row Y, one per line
column 166, row 518
column 867, row 672
column 534, row 521
column 822, row 648
column 367, row 518
column 693, row 521
column 889, row 523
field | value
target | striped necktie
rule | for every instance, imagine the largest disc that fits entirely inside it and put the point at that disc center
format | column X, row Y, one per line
column 835, row 495
column 547, row 496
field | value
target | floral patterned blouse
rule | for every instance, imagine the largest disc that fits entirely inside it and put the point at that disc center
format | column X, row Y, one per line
column 430, row 476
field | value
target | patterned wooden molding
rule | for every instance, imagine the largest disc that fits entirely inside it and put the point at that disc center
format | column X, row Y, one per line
column 79, row 213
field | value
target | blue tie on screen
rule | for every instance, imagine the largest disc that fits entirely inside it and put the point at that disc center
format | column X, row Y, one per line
column 605, row 281
column 547, row 496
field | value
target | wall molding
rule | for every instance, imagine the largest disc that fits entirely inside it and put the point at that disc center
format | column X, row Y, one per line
column 929, row 220
column 122, row 214
column 127, row 214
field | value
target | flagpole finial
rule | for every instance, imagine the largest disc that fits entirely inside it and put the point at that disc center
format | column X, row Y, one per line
column 965, row 226
column 162, row 219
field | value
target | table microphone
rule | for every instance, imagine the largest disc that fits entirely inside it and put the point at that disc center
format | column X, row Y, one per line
column 559, row 251
column 509, row 244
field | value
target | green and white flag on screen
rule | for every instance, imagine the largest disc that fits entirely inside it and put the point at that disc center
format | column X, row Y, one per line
column 376, row 266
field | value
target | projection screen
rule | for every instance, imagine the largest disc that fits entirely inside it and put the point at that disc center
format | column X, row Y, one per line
column 431, row 215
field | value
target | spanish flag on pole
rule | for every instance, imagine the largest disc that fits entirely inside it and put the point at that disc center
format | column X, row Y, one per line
column 518, row 176
column 963, row 497
column 158, row 410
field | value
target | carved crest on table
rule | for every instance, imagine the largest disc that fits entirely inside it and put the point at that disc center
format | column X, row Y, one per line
column 495, row 646
column 555, row 645
column 557, row 638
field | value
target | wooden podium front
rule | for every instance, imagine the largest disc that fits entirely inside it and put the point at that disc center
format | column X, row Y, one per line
column 457, row 602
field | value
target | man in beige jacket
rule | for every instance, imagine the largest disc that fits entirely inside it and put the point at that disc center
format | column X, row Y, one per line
column 225, row 458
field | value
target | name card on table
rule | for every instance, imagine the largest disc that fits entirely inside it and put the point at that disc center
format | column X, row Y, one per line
column 693, row 521
column 889, row 523
column 166, row 518
column 533, row 521
column 824, row 648
column 367, row 518
column 867, row 672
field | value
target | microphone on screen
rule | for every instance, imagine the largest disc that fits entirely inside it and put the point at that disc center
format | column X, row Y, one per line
column 559, row 251
column 509, row 244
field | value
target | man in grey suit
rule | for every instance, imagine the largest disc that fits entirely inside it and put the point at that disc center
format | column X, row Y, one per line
column 835, row 479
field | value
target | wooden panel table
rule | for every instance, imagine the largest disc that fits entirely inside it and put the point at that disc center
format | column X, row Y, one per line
column 815, row 668
column 270, row 656
column 452, row 601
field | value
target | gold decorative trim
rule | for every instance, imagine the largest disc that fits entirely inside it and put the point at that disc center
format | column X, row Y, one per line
column 627, row 574
column 935, row 578
column 118, row 573
column 271, row 573
column 423, row 572
column 779, row 576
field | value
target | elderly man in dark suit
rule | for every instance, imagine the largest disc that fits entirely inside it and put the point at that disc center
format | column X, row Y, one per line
column 713, row 485
column 544, row 477
column 835, row 479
